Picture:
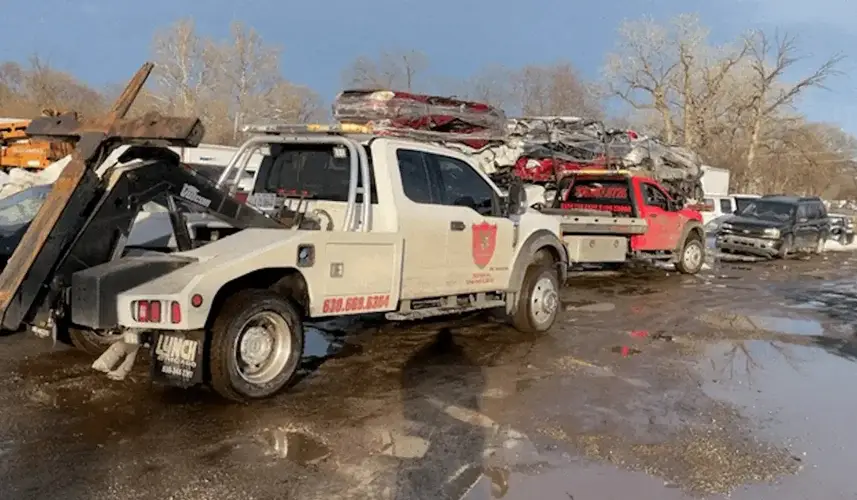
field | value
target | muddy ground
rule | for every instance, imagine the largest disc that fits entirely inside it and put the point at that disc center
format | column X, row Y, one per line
column 652, row 386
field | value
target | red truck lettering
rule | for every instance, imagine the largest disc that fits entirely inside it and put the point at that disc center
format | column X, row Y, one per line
column 332, row 305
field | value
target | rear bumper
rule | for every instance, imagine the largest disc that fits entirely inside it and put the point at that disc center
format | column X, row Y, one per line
column 743, row 244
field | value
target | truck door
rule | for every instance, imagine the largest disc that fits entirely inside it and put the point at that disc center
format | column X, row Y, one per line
column 479, row 242
column 664, row 225
column 426, row 233
column 804, row 227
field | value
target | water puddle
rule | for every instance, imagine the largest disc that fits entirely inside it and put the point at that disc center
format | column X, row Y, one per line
column 568, row 478
column 796, row 396
column 296, row 447
column 281, row 444
column 763, row 322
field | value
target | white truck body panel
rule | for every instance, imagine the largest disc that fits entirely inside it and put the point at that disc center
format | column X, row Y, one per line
column 715, row 181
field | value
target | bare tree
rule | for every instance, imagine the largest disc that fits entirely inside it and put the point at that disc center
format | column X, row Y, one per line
column 769, row 93
column 396, row 70
column 184, row 68
column 227, row 83
column 26, row 91
column 642, row 69
column 285, row 102
column 246, row 68
column 553, row 90
column 493, row 84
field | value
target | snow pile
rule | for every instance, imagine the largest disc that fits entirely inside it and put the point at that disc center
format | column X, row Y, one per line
column 835, row 246
column 19, row 179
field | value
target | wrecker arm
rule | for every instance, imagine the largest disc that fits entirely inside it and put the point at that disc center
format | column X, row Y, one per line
column 85, row 219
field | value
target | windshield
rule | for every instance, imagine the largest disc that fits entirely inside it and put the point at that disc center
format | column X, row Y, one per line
column 741, row 203
column 769, row 210
column 22, row 207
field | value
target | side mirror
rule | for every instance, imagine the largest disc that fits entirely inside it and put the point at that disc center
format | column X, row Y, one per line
column 677, row 203
column 517, row 198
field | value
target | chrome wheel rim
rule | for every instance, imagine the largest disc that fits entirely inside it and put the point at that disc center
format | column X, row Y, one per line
column 263, row 347
column 692, row 256
column 544, row 301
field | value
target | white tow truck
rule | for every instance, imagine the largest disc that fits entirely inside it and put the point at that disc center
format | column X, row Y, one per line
column 431, row 235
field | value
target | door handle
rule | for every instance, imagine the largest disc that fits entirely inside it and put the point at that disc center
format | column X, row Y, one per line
column 654, row 216
column 456, row 225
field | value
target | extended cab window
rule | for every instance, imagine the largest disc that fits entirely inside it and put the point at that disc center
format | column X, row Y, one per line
column 317, row 171
column 416, row 182
column 653, row 196
column 599, row 194
column 726, row 205
column 461, row 185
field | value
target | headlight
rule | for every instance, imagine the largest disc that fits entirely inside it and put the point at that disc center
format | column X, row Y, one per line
column 727, row 226
column 772, row 232
column 533, row 164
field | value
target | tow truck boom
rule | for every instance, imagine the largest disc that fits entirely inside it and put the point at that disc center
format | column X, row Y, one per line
column 86, row 218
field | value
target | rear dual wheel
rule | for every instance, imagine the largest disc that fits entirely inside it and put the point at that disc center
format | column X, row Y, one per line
column 257, row 341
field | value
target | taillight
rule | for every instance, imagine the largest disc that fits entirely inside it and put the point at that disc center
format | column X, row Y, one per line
column 175, row 312
column 143, row 311
column 147, row 311
column 155, row 311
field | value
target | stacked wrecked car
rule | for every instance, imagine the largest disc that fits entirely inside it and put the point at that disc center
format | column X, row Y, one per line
column 539, row 150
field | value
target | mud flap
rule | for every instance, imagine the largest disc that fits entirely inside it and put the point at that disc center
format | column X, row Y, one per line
column 178, row 358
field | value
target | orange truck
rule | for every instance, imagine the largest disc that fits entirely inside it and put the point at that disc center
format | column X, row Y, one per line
column 18, row 150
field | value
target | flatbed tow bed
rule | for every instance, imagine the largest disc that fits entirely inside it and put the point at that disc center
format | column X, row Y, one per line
column 616, row 216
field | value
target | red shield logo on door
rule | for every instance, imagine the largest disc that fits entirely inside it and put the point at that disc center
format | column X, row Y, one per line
column 484, row 243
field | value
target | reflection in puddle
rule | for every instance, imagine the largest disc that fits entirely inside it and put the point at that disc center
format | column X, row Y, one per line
column 797, row 395
column 296, row 447
column 769, row 323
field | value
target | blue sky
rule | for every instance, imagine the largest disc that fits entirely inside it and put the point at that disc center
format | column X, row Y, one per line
column 105, row 41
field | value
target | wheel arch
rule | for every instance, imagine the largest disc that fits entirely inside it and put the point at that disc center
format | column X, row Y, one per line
column 691, row 228
column 541, row 241
column 288, row 281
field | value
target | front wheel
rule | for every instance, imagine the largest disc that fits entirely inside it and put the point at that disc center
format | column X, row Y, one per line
column 256, row 345
column 538, row 300
column 692, row 256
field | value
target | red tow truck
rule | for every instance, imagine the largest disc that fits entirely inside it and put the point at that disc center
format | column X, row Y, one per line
column 658, row 226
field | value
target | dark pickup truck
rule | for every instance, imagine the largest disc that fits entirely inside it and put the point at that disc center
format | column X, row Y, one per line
column 775, row 226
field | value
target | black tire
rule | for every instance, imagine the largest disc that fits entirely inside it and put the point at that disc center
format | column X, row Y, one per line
column 225, row 374
column 86, row 341
column 845, row 239
column 540, row 281
column 786, row 246
column 692, row 256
